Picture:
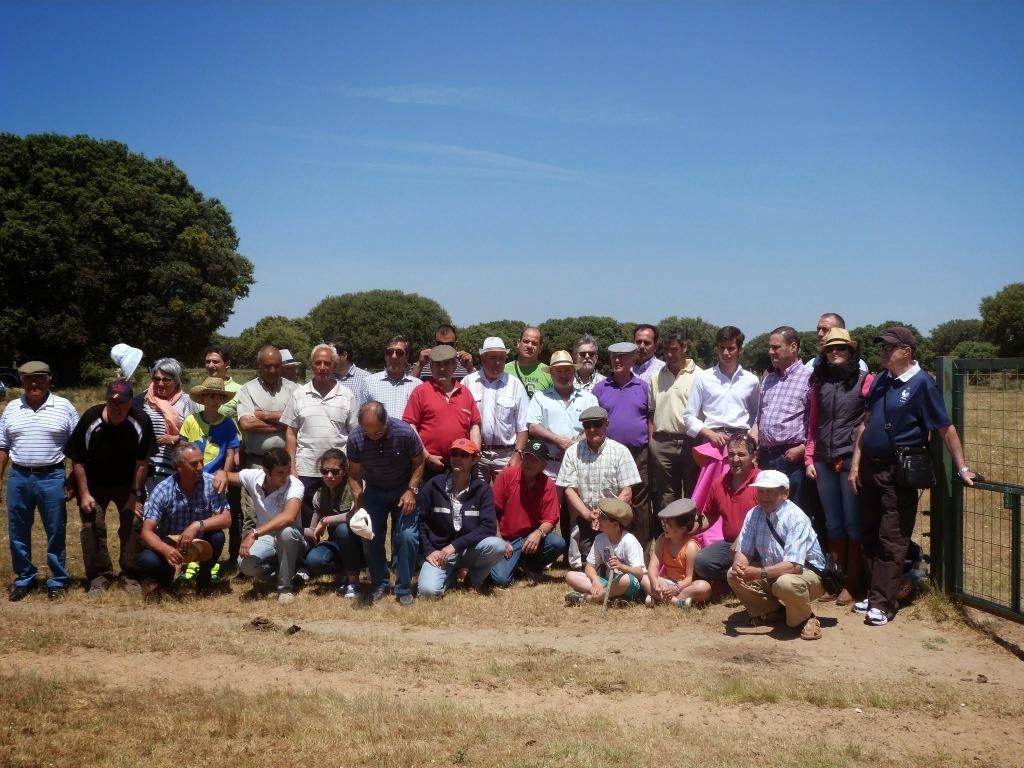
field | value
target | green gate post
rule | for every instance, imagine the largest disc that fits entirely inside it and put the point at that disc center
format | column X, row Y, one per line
column 945, row 542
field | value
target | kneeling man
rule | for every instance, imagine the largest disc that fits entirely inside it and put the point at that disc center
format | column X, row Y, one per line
column 526, row 503
column 185, row 506
column 780, row 539
column 458, row 527
column 272, row 542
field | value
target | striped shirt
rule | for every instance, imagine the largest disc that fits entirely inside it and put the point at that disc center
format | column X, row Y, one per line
column 320, row 422
column 782, row 412
column 173, row 511
column 393, row 394
column 36, row 437
column 793, row 527
column 597, row 474
column 161, row 460
column 386, row 463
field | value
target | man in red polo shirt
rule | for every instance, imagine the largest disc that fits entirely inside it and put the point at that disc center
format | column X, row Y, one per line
column 729, row 501
column 442, row 410
column 526, row 502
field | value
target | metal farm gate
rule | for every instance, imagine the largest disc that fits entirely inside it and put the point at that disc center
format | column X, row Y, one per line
column 976, row 532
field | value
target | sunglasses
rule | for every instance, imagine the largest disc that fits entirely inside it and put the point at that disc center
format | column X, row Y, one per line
column 837, row 348
column 581, row 353
column 395, row 353
column 332, row 471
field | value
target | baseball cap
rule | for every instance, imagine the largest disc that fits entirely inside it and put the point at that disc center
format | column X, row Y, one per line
column 770, row 478
column 538, row 449
column 119, row 391
column 463, row 444
column 897, row 334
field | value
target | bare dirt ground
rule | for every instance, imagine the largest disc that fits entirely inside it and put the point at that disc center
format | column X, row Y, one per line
column 926, row 687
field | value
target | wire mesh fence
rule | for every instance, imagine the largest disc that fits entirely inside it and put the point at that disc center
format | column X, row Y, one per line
column 988, row 411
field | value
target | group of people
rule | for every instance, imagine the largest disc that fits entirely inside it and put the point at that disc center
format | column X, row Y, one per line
column 658, row 482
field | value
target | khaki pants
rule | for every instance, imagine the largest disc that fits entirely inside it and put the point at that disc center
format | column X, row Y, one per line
column 793, row 591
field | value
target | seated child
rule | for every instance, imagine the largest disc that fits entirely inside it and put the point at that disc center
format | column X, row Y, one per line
column 669, row 577
column 616, row 550
column 342, row 551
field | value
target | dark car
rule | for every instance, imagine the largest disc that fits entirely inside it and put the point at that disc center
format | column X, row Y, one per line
column 8, row 378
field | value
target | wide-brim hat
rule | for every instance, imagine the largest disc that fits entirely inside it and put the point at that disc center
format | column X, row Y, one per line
column 838, row 337
column 561, row 357
column 126, row 358
column 212, row 385
column 493, row 344
column 199, row 551
column 360, row 524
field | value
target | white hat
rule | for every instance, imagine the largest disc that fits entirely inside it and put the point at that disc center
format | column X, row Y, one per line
column 493, row 344
column 126, row 358
column 359, row 523
column 770, row 478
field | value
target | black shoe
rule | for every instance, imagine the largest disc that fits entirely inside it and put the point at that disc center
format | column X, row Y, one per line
column 56, row 593
column 378, row 594
column 406, row 600
column 20, row 592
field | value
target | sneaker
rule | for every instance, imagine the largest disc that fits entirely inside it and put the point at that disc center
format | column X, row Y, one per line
column 302, row 577
column 285, row 598
column 216, row 573
column 350, row 591
column 876, row 618
column 575, row 598
column 406, row 600
column 378, row 594
column 861, row 606
column 686, row 602
column 649, row 601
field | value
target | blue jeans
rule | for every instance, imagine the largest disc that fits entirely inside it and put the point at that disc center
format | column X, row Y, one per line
column 152, row 565
column 381, row 504
column 27, row 491
column 842, row 508
column 341, row 553
column 770, row 458
column 551, row 548
column 479, row 560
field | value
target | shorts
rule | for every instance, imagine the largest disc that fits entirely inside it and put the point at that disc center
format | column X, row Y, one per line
column 633, row 591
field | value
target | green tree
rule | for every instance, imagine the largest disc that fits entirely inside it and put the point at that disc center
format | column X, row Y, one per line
column 370, row 318
column 701, row 334
column 975, row 350
column 946, row 336
column 100, row 246
column 297, row 336
column 754, row 356
column 1002, row 317
column 563, row 333
column 471, row 338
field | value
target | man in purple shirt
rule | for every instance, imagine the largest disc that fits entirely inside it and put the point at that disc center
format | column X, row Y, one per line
column 626, row 398
column 385, row 470
column 782, row 410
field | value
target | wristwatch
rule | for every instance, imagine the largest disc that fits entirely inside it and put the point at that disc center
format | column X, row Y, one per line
column 414, row 489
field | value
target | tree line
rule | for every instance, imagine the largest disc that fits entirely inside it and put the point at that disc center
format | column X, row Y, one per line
column 102, row 245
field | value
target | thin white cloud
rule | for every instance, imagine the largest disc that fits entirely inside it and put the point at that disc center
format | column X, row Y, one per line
column 526, row 105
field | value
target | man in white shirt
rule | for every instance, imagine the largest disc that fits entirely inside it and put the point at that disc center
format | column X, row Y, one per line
column 33, row 432
column 272, row 542
column 502, row 402
column 723, row 399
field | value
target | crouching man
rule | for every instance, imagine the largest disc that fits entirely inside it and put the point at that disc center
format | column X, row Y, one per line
column 779, row 537
column 183, row 505
column 272, row 542
column 457, row 525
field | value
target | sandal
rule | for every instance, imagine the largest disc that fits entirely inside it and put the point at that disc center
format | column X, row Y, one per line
column 811, row 629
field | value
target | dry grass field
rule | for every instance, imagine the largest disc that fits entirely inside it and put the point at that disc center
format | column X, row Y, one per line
column 514, row 679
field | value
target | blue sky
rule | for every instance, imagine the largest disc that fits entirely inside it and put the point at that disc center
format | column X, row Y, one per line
column 751, row 163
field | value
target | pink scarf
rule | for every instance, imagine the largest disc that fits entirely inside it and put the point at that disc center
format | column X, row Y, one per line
column 166, row 407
